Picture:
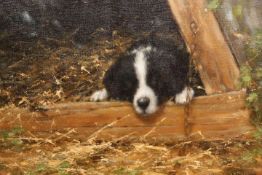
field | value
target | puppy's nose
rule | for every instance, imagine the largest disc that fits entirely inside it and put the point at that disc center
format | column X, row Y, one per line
column 143, row 102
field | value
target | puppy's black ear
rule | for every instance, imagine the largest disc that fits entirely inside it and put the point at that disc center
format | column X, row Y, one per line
column 120, row 80
column 110, row 79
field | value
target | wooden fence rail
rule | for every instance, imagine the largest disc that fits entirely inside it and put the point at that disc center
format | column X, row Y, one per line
column 211, row 117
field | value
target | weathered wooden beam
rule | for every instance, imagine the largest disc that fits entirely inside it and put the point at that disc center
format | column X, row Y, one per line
column 211, row 117
column 230, row 27
column 205, row 41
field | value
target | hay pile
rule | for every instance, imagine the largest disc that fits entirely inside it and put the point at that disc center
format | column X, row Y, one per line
column 45, row 71
column 25, row 153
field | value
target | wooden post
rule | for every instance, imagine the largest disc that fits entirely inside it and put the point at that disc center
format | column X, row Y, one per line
column 230, row 27
column 205, row 41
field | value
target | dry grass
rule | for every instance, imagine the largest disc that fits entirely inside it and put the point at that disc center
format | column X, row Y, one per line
column 60, row 153
column 47, row 71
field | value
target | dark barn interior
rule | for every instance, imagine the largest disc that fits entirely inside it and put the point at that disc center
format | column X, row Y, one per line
column 42, row 39
column 82, row 18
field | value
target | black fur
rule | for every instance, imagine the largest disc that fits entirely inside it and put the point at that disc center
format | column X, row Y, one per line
column 167, row 68
column 120, row 80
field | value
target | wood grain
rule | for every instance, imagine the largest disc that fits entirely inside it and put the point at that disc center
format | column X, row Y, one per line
column 230, row 26
column 211, row 117
column 205, row 41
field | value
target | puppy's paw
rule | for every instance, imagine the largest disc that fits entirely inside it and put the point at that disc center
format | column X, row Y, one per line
column 99, row 95
column 185, row 96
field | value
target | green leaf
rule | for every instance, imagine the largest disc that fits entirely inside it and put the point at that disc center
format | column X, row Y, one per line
column 62, row 168
column 17, row 142
column 252, row 97
column 213, row 4
column 257, row 136
column 64, row 165
column 259, row 73
column 41, row 167
column 17, row 130
column 5, row 135
column 247, row 78
column 248, row 157
column 238, row 10
column 135, row 172
column 120, row 171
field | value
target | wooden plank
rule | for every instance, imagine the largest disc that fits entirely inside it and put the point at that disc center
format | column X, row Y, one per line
column 231, row 28
column 210, row 117
column 225, row 119
column 93, row 114
column 239, row 20
column 164, row 133
column 205, row 41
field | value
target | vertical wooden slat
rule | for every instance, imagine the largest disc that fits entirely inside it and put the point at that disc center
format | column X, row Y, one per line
column 205, row 41
column 230, row 28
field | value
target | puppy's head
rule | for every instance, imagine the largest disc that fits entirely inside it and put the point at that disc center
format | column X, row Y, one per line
column 145, row 77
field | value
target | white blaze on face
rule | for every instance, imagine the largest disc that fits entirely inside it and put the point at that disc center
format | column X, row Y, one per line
column 143, row 90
